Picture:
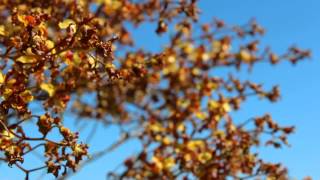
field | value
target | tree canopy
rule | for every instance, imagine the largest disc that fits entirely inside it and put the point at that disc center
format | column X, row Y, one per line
column 54, row 53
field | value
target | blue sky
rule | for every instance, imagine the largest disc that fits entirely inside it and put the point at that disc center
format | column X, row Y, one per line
column 287, row 22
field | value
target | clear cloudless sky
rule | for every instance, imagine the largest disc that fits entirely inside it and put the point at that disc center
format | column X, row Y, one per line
column 288, row 22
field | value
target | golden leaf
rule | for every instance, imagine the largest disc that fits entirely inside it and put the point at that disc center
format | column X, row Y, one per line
column 187, row 157
column 213, row 104
column 205, row 57
column 155, row 127
column 181, row 127
column 204, row 157
column 172, row 68
column 219, row 133
column 22, row 19
column 171, row 59
column 183, row 103
column 271, row 178
column 66, row 23
column 7, row 135
column 226, row 107
column 7, row 92
column 17, row 106
column 26, row 96
column 78, row 150
column 2, row 30
column 157, row 162
column 158, row 138
column 29, row 52
column 187, row 48
column 2, row 77
column 11, row 82
column 92, row 62
column 50, row 45
column 216, row 46
column 49, row 88
column 109, row 66
column 42, row 29
column 196, row 71
column 112, row 5
column 195, row 144
column 166, row 140
column 212, row 85
column 217, row 118
column 27, row 59
column 76, row 59
column 169, row 163
column 245, row 56
column 201, row 115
